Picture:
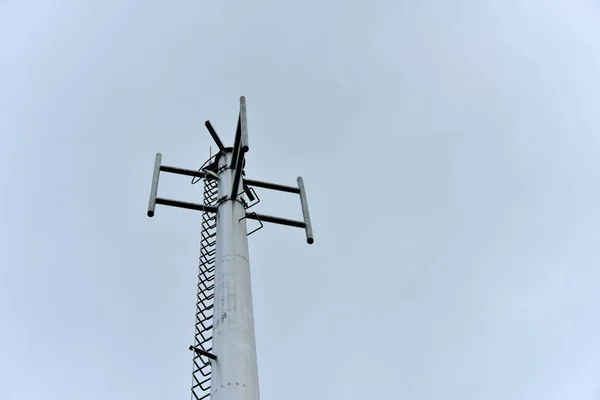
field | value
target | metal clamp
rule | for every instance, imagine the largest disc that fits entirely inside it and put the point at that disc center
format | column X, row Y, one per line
column 252, row 196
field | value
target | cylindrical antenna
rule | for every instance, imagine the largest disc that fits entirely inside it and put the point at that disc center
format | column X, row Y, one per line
column 244, row 125
column 154, row 189
column 309, row 233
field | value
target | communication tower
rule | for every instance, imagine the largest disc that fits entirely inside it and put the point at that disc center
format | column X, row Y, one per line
column 224, row 349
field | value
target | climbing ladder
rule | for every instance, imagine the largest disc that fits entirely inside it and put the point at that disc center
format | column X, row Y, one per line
column 204, row 301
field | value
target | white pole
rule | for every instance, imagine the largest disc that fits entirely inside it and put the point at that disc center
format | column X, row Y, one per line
column 234, row 374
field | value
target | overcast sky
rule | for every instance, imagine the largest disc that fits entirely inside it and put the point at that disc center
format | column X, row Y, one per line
column 450, row 150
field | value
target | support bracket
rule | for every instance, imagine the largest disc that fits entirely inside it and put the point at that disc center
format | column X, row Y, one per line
column 257, row 218
column 154, row 199
column 214, row 135
column 202, row 352
column 300, row 190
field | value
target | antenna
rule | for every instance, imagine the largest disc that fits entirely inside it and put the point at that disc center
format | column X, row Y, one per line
column 224, row 361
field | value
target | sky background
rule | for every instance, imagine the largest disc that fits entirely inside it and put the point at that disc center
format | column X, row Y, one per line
column 450, row 151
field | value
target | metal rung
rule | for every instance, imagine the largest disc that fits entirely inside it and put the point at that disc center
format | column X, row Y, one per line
column 202, row 383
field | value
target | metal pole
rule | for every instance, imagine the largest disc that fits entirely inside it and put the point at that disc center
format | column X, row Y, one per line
column 235, row 371
column 154, row 188
column 308, row 226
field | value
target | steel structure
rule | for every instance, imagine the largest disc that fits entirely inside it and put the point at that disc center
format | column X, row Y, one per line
column 224, row 349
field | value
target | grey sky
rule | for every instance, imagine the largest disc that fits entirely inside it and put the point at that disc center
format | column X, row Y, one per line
column 450, row 154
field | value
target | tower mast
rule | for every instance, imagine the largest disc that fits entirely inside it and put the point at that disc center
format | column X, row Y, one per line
column 225, row 362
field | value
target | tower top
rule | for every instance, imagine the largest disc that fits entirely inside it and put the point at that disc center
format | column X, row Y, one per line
column 237, row 163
